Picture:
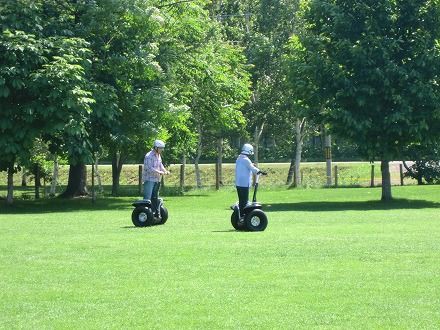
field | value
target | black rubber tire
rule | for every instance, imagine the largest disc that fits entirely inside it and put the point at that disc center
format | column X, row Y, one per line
column 235, row 221
column 253, row 224
column 163, row 214
column 142, row 216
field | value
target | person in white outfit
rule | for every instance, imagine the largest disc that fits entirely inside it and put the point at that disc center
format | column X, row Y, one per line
column 243, row 175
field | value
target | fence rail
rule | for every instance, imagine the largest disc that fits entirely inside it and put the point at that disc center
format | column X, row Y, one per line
column 344, row 174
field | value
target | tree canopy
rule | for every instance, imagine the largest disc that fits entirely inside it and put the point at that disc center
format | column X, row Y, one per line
column 43, row 85
column 377, row 65
column 107, row 77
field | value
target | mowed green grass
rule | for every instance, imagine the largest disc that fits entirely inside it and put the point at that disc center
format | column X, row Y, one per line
column 329, row 258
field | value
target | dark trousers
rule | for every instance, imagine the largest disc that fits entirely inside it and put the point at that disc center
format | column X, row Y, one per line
column 243, row 197
column 155, row 197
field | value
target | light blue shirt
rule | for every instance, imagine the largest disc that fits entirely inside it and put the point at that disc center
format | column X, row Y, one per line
column 243, row 171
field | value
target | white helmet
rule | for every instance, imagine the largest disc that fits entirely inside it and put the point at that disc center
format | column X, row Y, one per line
column 247, row 149
column 159, row 144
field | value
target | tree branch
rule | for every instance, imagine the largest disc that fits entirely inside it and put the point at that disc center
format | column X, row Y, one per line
column 409, row 169
column 174, row 3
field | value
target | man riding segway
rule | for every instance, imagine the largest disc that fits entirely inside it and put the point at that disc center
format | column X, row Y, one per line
column 151, row 175
column 150, row 210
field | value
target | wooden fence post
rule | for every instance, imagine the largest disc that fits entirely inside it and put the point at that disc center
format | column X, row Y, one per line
column 336, row 176
column 217, row 176
column 140, row 180
column 401, row 174
column 182, row 177
column 372, row 176
column 93, row 183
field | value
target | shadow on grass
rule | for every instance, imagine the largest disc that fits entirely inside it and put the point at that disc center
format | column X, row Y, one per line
column 352, row 206
column 30, row 205
column 64, row 205
column 228, row 231
column 140, row 228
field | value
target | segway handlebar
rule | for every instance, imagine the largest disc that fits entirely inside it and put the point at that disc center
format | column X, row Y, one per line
column 258, row 176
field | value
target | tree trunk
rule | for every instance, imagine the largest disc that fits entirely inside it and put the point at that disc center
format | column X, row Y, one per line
column 295, row 161
column 196, row 160
column 77, row 184
column 419, row 172
column 182, row 172
column 386, row 181
column 98, row 176
column 220, row 160
column 300, row 127
column 290, row 174
column 37, row 181
column 298, row 153
column 53, row 184
column 23, row 177
column 257, row 137
column 10, row 195
column 328, row 158
column 117, row 162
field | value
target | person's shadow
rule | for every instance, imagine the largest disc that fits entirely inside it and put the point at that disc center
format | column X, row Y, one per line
column 227, row 231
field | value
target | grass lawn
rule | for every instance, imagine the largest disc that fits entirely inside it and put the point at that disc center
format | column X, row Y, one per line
column 330, row 258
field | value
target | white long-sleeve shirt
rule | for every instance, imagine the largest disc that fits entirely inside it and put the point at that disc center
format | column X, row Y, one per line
column 243, row 171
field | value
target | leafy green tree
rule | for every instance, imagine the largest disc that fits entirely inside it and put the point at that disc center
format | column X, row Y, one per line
column 43, row 89
column 206, row 74
column 72, row 133
column 262, row 28
column 39, row 164
column 425, row 167
column 424, row 171
column 222, row 89
column 377, row 63
column 123, row 37
column 302, row 98
column 176, row 55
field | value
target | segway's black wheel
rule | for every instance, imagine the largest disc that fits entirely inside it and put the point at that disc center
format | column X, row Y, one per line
column 235, row 221
column 163, row 214
column 256, row 220
column 142, row 216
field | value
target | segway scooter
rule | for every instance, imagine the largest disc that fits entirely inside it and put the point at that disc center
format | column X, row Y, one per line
column 253, row 217
column 143, row 215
